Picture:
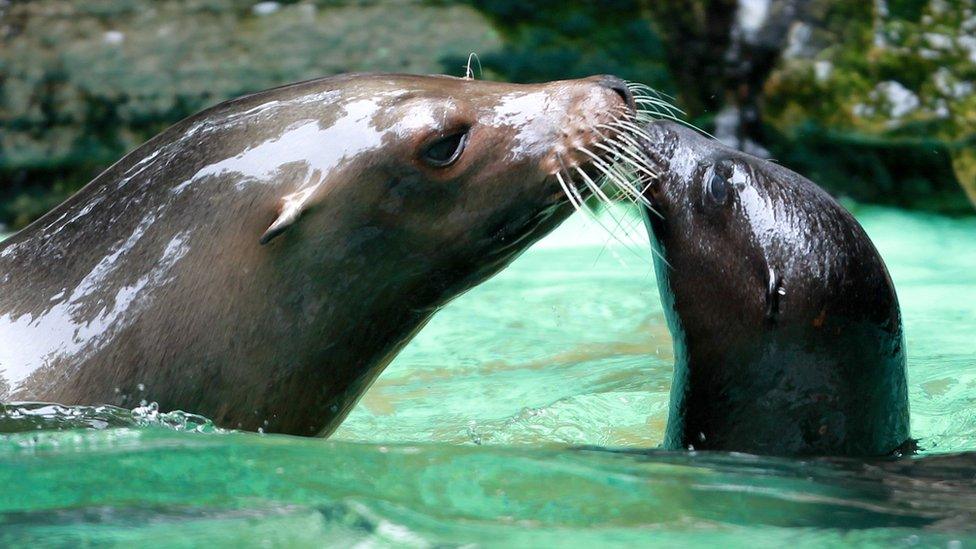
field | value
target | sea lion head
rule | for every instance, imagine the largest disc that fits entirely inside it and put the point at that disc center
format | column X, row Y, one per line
column 744, row 235
column 711, row 218
column 787, row 331
column 385, row 196
column 455, row 176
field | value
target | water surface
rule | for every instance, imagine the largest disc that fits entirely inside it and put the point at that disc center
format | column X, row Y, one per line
column 466, row 437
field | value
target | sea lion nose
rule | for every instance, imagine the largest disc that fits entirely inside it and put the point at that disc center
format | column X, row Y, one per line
column 620, row 88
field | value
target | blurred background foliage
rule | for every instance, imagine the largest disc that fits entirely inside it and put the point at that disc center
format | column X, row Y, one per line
column 873, row 99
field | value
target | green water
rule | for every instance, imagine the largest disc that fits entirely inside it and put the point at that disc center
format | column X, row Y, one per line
column 465, row 438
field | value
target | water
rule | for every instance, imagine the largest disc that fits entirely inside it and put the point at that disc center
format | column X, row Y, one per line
column 466, row 437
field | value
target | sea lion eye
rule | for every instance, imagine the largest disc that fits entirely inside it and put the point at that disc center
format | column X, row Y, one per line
column 446, row 150
column 718, row 188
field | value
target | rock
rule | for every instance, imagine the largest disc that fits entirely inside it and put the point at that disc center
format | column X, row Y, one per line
column 901, row 79
column 83, row 82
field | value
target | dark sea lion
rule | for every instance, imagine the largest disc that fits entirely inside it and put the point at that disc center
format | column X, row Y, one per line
column 787, row 332
column 261, row 262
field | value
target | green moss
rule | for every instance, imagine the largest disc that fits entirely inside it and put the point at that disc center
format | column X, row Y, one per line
column 552, row 40
column 900, row 85
column 910, row 173
column 908, row 10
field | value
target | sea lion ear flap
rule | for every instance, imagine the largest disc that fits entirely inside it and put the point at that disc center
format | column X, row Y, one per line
column 290, row 210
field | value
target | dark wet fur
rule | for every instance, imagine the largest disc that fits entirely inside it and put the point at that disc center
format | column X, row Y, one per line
column 787, row 331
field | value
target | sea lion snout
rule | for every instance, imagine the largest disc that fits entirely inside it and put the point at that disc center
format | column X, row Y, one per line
column 618, row 86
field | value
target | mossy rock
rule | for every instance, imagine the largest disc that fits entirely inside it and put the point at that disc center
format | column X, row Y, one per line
column 908, row 173
column 85, row 82
column 899, row 84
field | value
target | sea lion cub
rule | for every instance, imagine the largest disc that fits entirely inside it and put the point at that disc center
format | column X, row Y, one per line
column 787, row 332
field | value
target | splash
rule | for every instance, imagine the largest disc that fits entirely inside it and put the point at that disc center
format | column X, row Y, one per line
column 20, row 417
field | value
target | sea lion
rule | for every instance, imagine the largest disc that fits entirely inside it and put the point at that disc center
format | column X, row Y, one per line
column 787, row 332
column 261, row 262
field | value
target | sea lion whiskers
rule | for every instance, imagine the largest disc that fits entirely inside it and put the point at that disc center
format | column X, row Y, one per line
column 638, row 87
column 631, row 146
column 618, row 181
column 634, row 130
column 653, row 105
column 566, row 189
column 649, row 109
column 629, row 149
column 592, row 185
column 625, row 139
column 569, row 187
column 625, row 143
column 644, row 94
column 629, row 124
column 565, row 178
column 631, row 219
column 630, row 160
column 605, row 165
column 468, row 71
column 661, row 108
column 623, row 171
column 650, row 99
column 597, row 191
column 623, row 155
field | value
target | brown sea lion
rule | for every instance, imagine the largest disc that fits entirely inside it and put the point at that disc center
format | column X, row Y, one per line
column 261, row 262
column 787, row 332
